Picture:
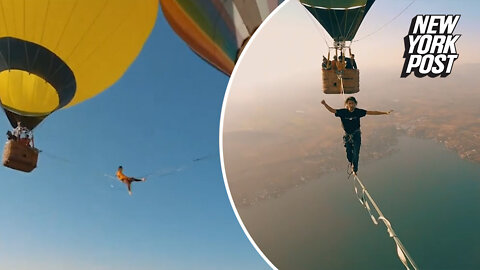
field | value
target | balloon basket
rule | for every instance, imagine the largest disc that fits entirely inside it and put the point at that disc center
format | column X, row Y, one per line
column 18, row 156
column 333, row 85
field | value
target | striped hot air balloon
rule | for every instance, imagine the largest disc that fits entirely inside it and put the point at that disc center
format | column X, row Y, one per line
column 217, row 30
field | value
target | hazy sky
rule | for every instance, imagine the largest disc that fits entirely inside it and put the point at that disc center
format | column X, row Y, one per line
column 388, row 42
column 279, row 74
column 285, row 53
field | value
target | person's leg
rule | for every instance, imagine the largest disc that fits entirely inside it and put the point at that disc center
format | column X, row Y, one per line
column 129, row 186
column 357, row 142
column 348, row 147
column 137, row 180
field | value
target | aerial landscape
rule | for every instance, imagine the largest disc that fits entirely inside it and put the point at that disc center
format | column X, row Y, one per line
column 440, row 110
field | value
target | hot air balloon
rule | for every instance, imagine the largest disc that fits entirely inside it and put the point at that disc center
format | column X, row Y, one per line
column 341, row 19
column 57, row 53
column 217, row 30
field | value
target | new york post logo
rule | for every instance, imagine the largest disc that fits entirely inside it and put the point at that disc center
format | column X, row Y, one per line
column 430, row 46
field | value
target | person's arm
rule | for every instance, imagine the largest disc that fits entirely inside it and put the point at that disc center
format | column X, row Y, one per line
column 378, row 112
column 330, row 109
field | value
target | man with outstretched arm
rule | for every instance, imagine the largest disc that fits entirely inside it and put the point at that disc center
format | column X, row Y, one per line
column 127, row 180
column 350, row 117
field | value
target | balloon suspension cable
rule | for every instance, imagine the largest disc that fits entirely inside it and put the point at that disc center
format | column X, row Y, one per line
column 342, row 91
column 32, row 140
column 164, row 172
column 364, row 199
column 169, row 171
column 387, row 23
column 160, row 173
column 318, row 27
column 340, row 72
column 155, row 174
column 53, row 156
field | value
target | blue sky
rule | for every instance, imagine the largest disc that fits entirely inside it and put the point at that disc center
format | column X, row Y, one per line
column 160, row 116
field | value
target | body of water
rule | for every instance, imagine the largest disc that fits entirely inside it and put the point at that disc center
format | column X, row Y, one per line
column 429, row 194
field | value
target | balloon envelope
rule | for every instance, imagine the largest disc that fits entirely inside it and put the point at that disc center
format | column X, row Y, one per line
column 341, row 18
column 57, row 53
column 217, row 30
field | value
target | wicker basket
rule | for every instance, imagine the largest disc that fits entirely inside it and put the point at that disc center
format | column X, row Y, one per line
column 331, row 83
column 20, row 157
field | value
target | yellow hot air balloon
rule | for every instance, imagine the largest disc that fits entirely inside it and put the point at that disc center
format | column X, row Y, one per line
column 58, row 53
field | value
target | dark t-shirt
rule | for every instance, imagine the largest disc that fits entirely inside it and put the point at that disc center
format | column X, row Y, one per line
column 350, row 120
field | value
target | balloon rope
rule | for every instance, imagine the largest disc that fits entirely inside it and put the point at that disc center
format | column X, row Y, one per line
column 389, row 22
column 351, row 26
column 164, row 172
column 317, row 25
column 336, row 19
column 401, row 250
column 342, row 91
